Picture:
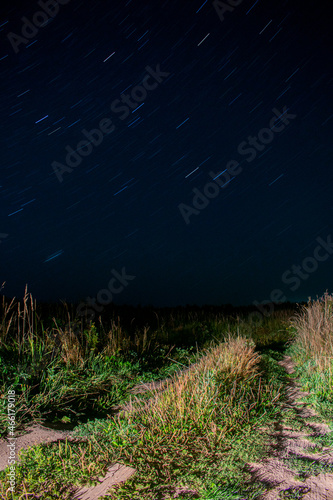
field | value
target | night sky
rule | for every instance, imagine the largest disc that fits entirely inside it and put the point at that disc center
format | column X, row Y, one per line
column 117, row 116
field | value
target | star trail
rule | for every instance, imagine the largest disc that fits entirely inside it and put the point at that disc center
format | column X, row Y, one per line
column 189, row 143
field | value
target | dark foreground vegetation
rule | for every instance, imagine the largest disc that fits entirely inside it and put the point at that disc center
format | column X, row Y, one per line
column 196, row 436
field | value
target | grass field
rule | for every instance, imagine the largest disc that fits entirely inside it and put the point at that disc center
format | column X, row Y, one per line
column 191, row 440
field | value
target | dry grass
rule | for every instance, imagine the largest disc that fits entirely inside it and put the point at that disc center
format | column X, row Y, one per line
column 314, row 328
column 71, row 349
column 312, row 353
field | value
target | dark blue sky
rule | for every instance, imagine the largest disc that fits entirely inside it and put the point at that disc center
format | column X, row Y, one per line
column 202, row 92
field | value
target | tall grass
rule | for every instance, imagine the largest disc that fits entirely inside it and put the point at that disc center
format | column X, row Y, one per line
column 312, row 351
column 314, row 328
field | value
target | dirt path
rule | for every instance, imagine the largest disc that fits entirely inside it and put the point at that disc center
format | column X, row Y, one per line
column 288, row 443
